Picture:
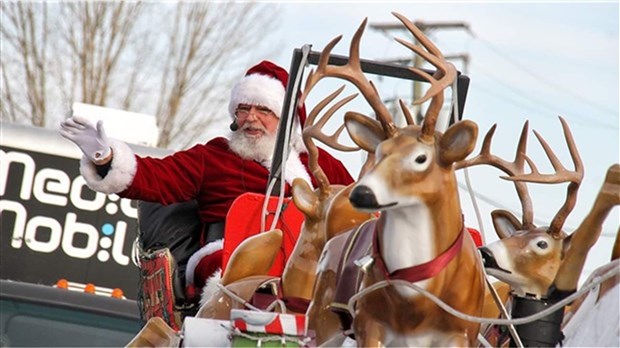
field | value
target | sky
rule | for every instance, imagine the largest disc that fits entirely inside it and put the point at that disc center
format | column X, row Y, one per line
column 527, row 61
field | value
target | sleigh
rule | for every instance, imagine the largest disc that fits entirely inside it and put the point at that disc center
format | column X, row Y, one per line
column 163, row 291
column 410, row 275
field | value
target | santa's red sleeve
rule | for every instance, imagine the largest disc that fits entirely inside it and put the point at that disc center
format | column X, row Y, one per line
column 336, row 172
column 175, row 178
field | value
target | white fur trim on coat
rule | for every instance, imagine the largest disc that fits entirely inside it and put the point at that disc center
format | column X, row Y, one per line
column 294, row 168
column 257, row 89
column 194, row 260
column 121, row 174
column 211, row 287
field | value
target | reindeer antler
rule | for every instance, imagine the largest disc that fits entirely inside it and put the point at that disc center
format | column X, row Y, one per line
column 443, row 78
column 353, row 73
column 312, row 130
column 516, row 173
column 561, row 175
column 514, row 169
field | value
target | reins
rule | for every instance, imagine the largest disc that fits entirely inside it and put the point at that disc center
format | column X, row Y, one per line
column 595, row 282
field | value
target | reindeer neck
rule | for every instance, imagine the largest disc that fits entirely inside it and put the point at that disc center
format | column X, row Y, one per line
column 300, row 271
column 418, row 234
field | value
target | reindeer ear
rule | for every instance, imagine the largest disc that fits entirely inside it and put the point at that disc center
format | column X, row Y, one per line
column 304, row 197
column 365, row 132
column 505, row 223
column 457, row 142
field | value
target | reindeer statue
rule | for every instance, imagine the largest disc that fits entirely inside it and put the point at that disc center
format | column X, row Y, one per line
column 542, row 264
column 420, row 236
column 327, row 210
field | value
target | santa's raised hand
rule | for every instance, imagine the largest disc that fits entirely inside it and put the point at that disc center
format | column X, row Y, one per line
column 93, row 142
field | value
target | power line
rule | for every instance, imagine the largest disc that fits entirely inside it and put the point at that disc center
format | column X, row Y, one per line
column 416, row 59
column 593, row 123
column 581, row 119
column 540, row 78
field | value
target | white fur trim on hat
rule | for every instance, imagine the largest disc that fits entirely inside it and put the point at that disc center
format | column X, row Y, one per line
column 121, row 173
column 257, row 89
column 194, row 260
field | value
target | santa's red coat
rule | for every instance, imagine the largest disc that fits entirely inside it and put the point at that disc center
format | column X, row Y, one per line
column 213, row 175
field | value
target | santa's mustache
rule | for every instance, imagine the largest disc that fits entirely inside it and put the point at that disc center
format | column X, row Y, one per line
column 253, row 127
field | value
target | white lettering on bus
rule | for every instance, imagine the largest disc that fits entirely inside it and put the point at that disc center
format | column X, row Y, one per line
column 72, row 227
column 54, row 187
column 5, row 161
column 49, row 181
column 34, row 225
column 84, row 204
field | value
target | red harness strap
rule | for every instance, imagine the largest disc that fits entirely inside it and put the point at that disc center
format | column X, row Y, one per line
column 419, row 272
column 294, row 304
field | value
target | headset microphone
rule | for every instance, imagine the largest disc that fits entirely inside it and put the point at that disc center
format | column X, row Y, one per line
column 234, row 126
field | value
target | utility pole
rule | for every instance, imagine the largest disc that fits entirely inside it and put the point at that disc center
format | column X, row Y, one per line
column 417, row 61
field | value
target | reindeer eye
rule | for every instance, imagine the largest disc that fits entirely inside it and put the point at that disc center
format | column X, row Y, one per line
column 419, row 158
column 541, row 245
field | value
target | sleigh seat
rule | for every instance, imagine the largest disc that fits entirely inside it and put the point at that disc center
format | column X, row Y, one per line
column 169, row 236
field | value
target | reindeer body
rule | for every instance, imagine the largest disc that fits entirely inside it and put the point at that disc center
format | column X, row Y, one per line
column 420, row 231
column 414, row 186
column 396, row 316
column 325, row 217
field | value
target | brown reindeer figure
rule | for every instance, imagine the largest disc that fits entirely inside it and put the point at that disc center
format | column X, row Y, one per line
column 539, row 266
column 535, row 259
column 420, row 235
column 543, row 264
column 535, row 252
column 327, row 210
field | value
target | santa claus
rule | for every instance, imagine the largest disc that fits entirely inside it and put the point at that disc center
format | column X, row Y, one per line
column 214, row 174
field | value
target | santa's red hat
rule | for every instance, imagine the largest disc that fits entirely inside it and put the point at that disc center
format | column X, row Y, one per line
column 264, row 84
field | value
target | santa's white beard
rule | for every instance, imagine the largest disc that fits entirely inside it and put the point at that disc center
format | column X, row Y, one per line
column 259, row 149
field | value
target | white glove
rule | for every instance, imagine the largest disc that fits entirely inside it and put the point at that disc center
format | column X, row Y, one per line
column 93, row 142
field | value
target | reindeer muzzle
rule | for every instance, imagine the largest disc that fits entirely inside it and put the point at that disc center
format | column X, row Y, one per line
column 488, row 260
column 362, row 197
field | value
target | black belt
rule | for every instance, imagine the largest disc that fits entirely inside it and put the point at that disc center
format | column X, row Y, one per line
column 214, row 231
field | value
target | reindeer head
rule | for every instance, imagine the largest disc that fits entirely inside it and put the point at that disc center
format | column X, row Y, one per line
column 528, row 257
column 403, row 158
column 409, row 166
